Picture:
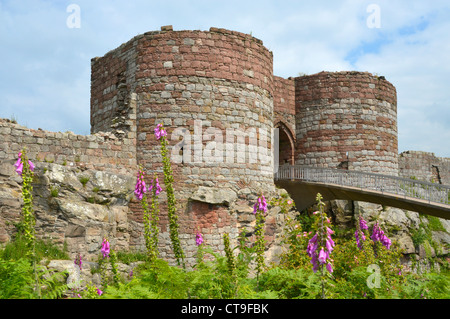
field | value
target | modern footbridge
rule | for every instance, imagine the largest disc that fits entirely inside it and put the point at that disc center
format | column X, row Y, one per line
column 303, row 184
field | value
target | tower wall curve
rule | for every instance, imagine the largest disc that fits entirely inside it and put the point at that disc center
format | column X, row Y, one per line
column 347, row 120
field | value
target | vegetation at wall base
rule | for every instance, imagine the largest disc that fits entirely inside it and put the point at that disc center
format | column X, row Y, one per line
column 360, row 267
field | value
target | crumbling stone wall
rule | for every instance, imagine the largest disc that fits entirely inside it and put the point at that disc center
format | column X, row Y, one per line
column 424, row 166
column 101, row 151
column 113, row 101
column 81, row 187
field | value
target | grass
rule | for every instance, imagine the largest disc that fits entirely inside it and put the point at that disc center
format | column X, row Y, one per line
column 16, row 249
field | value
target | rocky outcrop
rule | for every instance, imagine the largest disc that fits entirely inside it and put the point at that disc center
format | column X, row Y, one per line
column 78, row 279
column 73, row 205
column 420, row 237
column 78, row 206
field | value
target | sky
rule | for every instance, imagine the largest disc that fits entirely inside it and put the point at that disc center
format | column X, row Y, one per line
column 46, row 48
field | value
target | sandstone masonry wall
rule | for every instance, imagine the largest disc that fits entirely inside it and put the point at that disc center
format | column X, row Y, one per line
column 284, row 118
column 113, row 101
column 81, row 188
column 424, row 166
column 344, row 112
column 102, row 151
column 284, row 102
column 206, row 87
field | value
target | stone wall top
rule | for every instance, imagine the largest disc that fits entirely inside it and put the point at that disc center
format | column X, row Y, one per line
column 344, row 85
column 424, row 166
column 102, row 151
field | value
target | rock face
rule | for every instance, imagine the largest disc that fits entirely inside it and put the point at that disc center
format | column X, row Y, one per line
column 88, row 275
column 416, row 237
column 214, row 196
column 75, row 206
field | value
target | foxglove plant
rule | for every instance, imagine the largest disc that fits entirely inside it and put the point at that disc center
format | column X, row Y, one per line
column 321, row 244
column 20, row 164
column 105, row 248
column 378, row 235
column 260, row 205
column 229, row 254
column 140, row 189
column 198, row 239
column 107, row 252
column 155, row 188
column 161, row 135
column 25, row 168
column 260, row 209
column 160, row 131
column 359, row 233
column 199, row 243
column 78, row 261
column 151, row 229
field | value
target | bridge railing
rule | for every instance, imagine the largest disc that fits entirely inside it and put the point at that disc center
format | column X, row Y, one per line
column 400, row 186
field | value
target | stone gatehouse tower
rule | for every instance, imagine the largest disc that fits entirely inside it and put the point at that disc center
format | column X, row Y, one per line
column 201, row 84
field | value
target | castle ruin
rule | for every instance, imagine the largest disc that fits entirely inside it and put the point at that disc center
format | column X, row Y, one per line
column 201, row 84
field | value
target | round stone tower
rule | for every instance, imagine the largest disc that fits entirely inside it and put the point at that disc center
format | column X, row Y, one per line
column 213, row 91
column 347, row 120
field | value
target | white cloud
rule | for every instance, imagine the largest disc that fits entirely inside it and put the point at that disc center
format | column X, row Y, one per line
column 418, row 64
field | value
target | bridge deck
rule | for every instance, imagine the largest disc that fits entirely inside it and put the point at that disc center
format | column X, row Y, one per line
column 303, row 183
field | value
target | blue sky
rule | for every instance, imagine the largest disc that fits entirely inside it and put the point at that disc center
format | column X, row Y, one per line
column 45, row 69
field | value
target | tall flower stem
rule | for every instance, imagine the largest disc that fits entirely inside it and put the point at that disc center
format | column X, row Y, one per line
column 155, row 219
column 259, row 209
column 151, row 218
column 25, row 168
column 161, row 134
column 321, row 240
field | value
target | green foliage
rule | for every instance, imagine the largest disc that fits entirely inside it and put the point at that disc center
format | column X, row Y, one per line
column 370, row 272
column 212, row 280
column 296, row 242
column 423, row 235
column 83, row 180
column 162, row 280
column 17, row 248
column 135, row 289
column 171, row 203
column 354, row 285
column 113, row 261
column 16, row 279
column 28, row 221
column 229, row 254
column 108, row 277
column 127, row 257
column 260, row 243
column 53, row 286
column 434, row 224
column 245, row 255
column 291, row 283
column 54, row 191
column 151, row 220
